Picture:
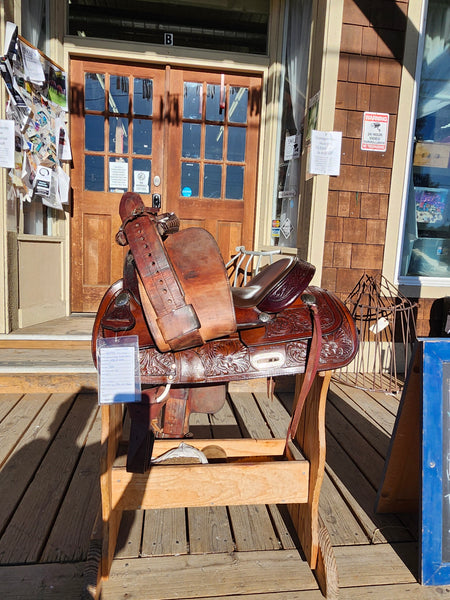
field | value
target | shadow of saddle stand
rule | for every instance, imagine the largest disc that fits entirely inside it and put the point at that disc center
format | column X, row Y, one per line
column 197, row 333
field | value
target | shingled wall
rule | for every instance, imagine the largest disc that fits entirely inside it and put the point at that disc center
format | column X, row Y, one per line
column 373, row 33
column 371, row 54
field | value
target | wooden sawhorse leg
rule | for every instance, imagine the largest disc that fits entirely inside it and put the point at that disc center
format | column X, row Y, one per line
column 311, row 531
column 281, row 478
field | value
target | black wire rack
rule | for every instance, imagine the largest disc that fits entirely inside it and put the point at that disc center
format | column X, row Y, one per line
column 386, row 325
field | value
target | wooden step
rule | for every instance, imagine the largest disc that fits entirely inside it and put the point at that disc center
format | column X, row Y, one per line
column 38, row 368
column 57, row 343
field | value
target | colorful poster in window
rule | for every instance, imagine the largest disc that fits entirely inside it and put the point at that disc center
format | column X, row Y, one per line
column 431, row 204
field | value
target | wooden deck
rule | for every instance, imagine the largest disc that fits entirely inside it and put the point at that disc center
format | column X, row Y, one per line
column 49, row 490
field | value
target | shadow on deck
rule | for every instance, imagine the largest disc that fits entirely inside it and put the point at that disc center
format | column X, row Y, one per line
column 49, row 485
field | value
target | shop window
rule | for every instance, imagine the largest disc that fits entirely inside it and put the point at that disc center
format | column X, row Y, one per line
column 35, row 23
column 238, row 26
column 426, row 241
column 295, row 60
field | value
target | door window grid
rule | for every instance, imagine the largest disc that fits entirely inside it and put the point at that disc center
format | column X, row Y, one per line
column 118, row 118
column 213, row 141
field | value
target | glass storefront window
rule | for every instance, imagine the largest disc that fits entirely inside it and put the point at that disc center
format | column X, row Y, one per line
column 426, row 242
column 237, row 26
column 296, row 58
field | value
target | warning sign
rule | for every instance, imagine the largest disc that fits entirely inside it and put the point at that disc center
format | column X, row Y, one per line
column 375, row 131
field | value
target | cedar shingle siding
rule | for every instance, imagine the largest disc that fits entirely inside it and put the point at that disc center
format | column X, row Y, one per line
column 371, row 52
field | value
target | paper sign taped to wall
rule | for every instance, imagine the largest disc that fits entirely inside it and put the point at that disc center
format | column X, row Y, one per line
column 325, row 152
column 7, row 144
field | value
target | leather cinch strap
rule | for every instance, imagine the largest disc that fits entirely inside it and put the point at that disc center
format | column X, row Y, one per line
column 312, row 366
column 177, row 321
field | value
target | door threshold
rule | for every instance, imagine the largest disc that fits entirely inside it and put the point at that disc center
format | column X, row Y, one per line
column 76, row 326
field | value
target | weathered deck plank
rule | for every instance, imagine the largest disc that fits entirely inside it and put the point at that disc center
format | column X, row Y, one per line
column 18, row 471
column 61, row 581
column 208, row 526
column 196, row 553
column 164, row 532
column 252, row 525
column 18, row 420
column 195, row 576
column 364, row 403
column 130, row 534
column 368, row 460
column 360, row 496
column 8, row 401
column 343, row 528
column 26, row 533
column 357, row 568
column 73, row 526
column 215, row 535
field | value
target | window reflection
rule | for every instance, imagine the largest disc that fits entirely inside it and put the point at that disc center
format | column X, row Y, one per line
column 238, row 105
column 236, row 143
column 118, row 93
column 192, row 103
column 190, row 174
column 426, row 242
column 118, row 135
column 94, row 135
column 214, row 142
column 191, row 140
column 94, row 91
column 143, row 97
column 94, row 173
column 142, row 136
column 213, row 98
column 235, row 182
column 212, row 181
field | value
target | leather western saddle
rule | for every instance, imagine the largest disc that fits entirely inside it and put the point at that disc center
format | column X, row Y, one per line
column 196, row 332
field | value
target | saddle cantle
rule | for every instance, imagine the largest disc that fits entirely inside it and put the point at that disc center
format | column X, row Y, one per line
column 196, row 332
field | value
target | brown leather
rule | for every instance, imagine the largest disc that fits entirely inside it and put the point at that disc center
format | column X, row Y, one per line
column 279, row 327
column 295, row 321
column 238, row 357
column 312, row 366
column 173, row 322
column 183, row 285
column 275, row 287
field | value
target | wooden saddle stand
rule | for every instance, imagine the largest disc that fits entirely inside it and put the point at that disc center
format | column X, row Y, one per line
column 197, row 333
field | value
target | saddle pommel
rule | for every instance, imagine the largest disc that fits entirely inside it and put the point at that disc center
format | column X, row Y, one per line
column 130, row 203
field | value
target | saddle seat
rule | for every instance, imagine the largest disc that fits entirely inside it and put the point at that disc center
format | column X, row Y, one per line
column 272, row 290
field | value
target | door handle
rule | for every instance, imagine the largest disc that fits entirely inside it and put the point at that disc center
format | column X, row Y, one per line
column 156, row 200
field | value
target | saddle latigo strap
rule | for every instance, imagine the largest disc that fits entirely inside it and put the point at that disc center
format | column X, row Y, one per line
column 161, row 293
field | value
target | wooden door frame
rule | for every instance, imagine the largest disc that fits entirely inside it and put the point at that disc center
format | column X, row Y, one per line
column 78, row 264
column 232, row 210
column 249, row 227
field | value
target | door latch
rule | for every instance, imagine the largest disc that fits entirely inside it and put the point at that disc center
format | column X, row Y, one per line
column 156, row 200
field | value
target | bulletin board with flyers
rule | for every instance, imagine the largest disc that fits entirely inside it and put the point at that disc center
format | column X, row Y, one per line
column 36, row 122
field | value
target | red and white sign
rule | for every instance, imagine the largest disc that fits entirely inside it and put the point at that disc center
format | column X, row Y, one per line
column 375, row 132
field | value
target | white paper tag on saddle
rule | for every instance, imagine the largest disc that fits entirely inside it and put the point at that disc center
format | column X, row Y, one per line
column 118, row 370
